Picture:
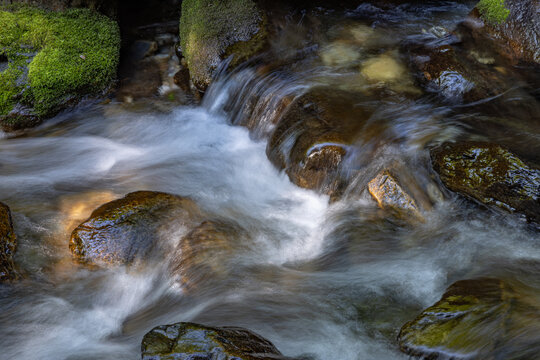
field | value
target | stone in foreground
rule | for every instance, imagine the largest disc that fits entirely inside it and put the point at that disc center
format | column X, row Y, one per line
column 482, row 318
column 189, row 341
column 8, row 244
column 128, row 229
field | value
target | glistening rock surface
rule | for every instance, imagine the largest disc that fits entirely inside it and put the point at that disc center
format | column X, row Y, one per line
column 188, row 341
column 128, row 229
column 8, row 244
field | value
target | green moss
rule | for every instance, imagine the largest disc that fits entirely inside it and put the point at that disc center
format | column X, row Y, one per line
column 209, row 29
column 493, row 11
column 77, row 54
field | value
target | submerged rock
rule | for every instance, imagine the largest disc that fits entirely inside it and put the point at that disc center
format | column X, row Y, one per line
column 389, row 194
column 311, row 139
column 490, row 174
column 8, row 245
column 194, row 341
column 201, row 253
column 482, row 318
column 211, row 31
column 54, row 60
column 127, row 229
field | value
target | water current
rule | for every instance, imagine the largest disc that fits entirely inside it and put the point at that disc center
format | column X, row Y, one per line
column 315, row 277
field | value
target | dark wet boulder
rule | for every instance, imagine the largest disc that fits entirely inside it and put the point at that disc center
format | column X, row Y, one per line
column 482, row 318
column 189, row 341
column 491, row 175
column 128, row 229
column 8, row 245
column 513, row 26
column 211, row 31
column 54, row 60
column 201, row 253
column 312, row 136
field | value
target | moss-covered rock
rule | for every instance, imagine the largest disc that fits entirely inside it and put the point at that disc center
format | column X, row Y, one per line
column 490, row 174
column 8, row 245
column 512, row 25
column 128, row 229
column 482, row 318
column 194, row 341
column 55, row 58
column 212, row 30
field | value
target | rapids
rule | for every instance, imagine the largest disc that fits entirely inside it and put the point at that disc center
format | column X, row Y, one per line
column 315, row 277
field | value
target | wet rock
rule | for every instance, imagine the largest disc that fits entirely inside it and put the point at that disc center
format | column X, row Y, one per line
column 128, row 229
column 181, row 79
column 458, row 75
column 8, row 245
column 516, row 33
column 310, row 141
column 476, row 319
column 194, row 341
column 211, row 31
column 491, row 175
column 389, row 194
column 201, row 253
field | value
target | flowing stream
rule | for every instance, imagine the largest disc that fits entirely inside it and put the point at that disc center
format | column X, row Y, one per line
column 315, row 277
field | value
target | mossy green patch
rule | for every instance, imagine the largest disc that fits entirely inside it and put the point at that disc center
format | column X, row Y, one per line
column 77, row 53
column 211, row 29
column 493, row 11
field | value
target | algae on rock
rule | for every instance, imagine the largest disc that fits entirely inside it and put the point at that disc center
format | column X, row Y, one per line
column 55, row 58
column 211, row 30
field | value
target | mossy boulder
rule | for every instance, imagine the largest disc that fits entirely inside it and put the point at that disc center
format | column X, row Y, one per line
column 491, row 175
column 8, row 245
column 129, row 229
column 202, row 252
column 312, row 136
column 482, row 318
column 194, row 341
column 213, row 30
column 512, row 25
column 54, row 59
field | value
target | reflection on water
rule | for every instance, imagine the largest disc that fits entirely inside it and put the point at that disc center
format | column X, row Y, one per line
column 332, row 280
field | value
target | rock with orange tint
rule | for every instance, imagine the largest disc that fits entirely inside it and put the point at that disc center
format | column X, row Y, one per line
column 389, row 194
column 129, row 229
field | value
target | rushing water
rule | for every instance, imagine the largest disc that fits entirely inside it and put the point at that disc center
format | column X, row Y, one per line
column 317, row 278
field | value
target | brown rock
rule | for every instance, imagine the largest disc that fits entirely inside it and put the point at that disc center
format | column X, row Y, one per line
column 128, row 229
column 389, row 194
column 200, row 253
column 8, row 245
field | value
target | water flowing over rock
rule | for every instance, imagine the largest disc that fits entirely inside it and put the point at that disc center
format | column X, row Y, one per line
column 194, row 341
column 211, row 31
column 200, row 254
column 310, row 141
column 8, row 244
column 128, row 229
column 490, row 174
column 476, row 319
